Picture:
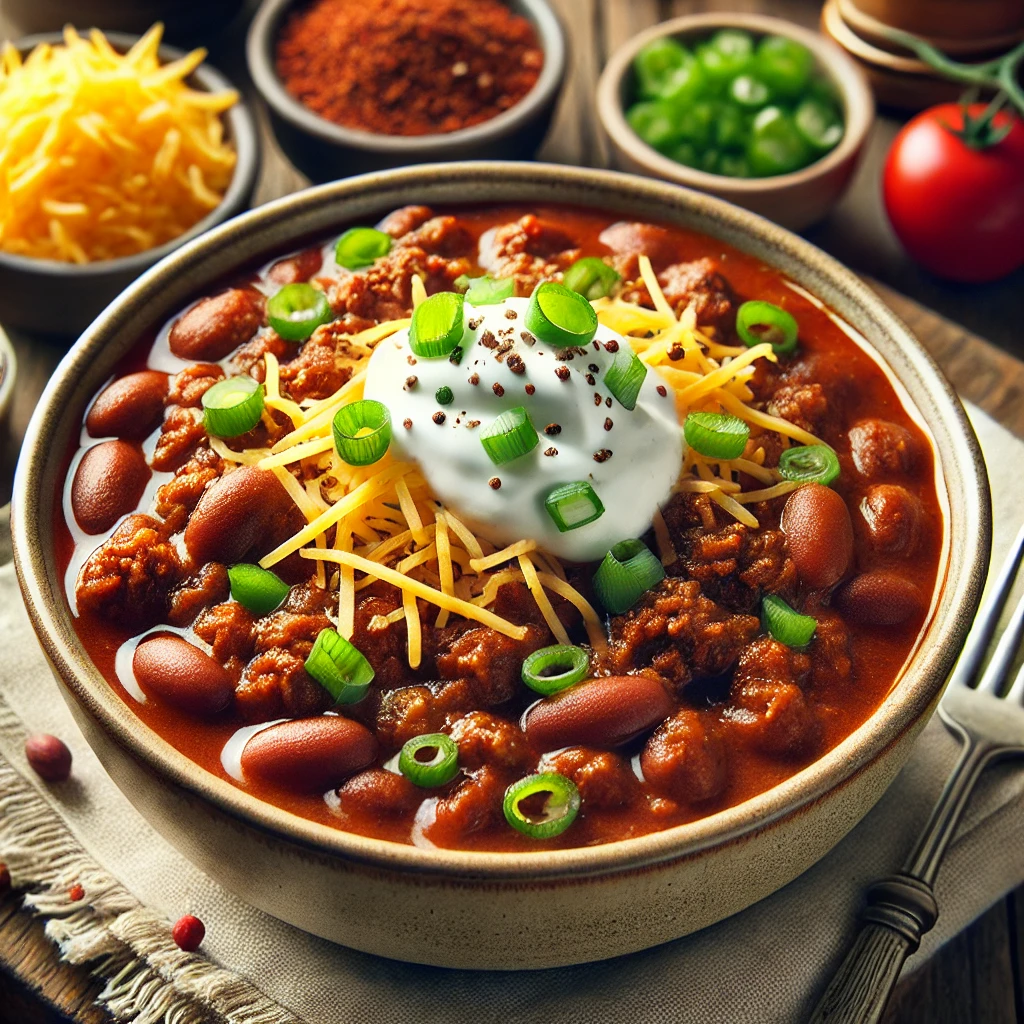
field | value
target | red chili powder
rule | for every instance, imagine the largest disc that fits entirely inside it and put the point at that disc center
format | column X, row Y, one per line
column 408, row 67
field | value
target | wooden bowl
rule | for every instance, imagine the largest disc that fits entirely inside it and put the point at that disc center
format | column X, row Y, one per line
column 793, row 200
column 499, row 910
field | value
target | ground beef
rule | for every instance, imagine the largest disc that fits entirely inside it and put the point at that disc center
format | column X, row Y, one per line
column 474, row 805
column 377, row 793
column 128, row 578
column 405, row 219
column 176, row 499
column 604, row 779
column 681, row 634
column 414, row 710
column 309, row 599
column 514, row 602
column 685, row 511
column 382, row 643
column 275, row 684
column 440, row 236
column 698, row 283
column 294, row 633
column 250, row 357
column 490, row 661
column 768, row 708
column 831, row 661
column 188, row 387
column 804, row 405
column 194, row 593
column 181, row 434
column 527, row 250
column 483, row 738
column 228, row 629
column 319, row 368
column 686, row 759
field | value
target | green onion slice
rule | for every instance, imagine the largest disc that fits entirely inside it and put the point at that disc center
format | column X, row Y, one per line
column 809, row 463
column 339, row 667
column 625, row 376
column 716, row 435
column 510, row 436
column 785, row 624
column 362, row 432
column 297, row 310
column 437, row 325
column 360, row 247
column 259, row 590
column 628, row 570
column 439, row 767
column 553, row 816
column 560, row 316
column 233, row 406
column 573, row 505
column 591, row 277
column 757, row 322
column 554, row 668
column 486, row 291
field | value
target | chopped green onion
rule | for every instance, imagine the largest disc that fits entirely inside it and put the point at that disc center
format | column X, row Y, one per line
column 785, row 624
column 297, row 310
column 362, row 432
column 339, row 667
column 749, row 92
column 628, row 570
column 444, row 395
column 591, row 277
column 716, row 435
column 757, row 322
column 233, row 406
column 437, row 325
column 258, row 590
column 360, row 247
column 486, row 291
column 810, row 463
column 625, row 376
column 559, row 809
column 438, row 769
column 560, row 316
column 573, row 505
column 554, row 668
column 509, row 436
column 819, row 124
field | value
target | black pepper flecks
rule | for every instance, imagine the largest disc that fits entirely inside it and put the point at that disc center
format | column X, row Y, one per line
column 474, row 323
column 570, row 353
column 603, row 455
column 488, row 340
column 550, row 451
column 530, row 389
column 410, row 383
column 515, row 363
column 608, row 424
column 611, row 345
column 510, row 314
column 472, row 423
column 596, row 344
column 411, row 360
column 474, row 379
column 528, row 338
column 495, row 483
column 455, row 356
column 594, row 368
column 608, row 401
column 497, row 389
column 439, row 418
column 662, row 390
column 562, row 372
column 553, row 429
column 676, row 352
column 407, row 423
column 597, row 398
column 590, row 379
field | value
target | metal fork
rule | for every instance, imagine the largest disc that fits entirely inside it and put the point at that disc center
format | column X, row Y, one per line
column 990, row 726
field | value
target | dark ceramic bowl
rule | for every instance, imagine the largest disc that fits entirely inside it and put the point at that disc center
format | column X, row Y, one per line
column 325, row 151
column 51, row 297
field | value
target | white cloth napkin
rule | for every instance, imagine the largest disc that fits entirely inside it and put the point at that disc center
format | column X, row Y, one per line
column 766, row 964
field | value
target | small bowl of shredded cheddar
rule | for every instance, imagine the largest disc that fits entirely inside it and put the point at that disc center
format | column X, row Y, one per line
column 114, row 150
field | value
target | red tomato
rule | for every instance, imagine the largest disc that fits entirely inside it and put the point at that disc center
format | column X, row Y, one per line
column 958, row 210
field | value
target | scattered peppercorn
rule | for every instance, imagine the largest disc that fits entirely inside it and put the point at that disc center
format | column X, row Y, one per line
column 76, row 893
column 603, row 455
column 49, row 757
column 597, row 398
column 594, row 368
column 444, row 395
column 497, row 389
column 661, row 390
column 474, row 323
column 188, row 932
column 552, row 429
column 510, row 314
column 515, row 363
column 455, row 356
column 407, row 423
column 438, row 417
column 562, row 373
column 472, row 423
column 529, row 339
column 550, row 451
column 608, row 424
column 408, row 67
column 611, row 345
column 608, row 401
column 530, row 389
column 410, row 383
column 590, row 379
column 495, row 483
column 474, row 379
column 676, row 352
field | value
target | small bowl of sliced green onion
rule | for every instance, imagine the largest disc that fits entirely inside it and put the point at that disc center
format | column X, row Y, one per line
column 753, row 109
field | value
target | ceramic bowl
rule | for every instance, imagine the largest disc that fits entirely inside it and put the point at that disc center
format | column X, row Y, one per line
column 793, row 200
column 323, row 150
column 51, row 297
column 8, row 375
column 494, row 910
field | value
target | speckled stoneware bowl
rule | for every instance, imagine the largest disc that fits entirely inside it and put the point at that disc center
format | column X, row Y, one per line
column 492, row 910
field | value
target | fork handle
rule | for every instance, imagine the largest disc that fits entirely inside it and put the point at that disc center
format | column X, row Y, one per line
column 900, row 909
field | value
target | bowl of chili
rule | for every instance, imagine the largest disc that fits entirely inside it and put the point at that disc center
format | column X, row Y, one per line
column 501, row 897
column 427, row 81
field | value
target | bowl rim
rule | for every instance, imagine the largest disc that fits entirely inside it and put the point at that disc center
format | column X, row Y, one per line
column 8, row 375
column 906, row 705
column 856, row 94
column 260, row 58
column 242, row 125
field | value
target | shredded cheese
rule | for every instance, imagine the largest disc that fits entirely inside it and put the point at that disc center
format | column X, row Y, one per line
column 521, row 547
column 542, row 599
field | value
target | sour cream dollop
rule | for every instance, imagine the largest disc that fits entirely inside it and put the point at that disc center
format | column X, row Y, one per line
column 630, row 457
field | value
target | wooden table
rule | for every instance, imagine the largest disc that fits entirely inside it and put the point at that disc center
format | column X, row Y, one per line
column 978, row 976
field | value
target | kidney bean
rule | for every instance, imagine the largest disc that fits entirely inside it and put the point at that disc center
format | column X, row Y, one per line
column 819, row 535
column 298, row 268
column 130, row 407
column 880, row 448
column 108, row 484
column 48, row 757
column 893, row 516
column 879, row 599
column 172, row 669
column 218, row 325
column 234, row 514
column 380, row 794
column 631, row 239
column 309, row 754
column 598, row 713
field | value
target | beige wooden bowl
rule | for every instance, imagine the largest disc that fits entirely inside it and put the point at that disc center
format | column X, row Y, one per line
column 793, row 200
column 493, row 910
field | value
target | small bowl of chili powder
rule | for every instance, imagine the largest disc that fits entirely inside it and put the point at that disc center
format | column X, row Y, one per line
column 360, row 85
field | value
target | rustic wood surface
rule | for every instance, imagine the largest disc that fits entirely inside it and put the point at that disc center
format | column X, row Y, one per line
column 977, row 977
